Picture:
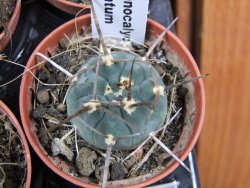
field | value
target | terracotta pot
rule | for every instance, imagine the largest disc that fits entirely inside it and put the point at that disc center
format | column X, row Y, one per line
column 5, row 37
column 5, row 110
column 70, row 7
column 193, row 119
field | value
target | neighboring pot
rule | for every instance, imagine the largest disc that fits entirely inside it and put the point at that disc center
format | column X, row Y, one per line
column 5, row 110
column 5, row 37
column 70, row 7
column 194, row 115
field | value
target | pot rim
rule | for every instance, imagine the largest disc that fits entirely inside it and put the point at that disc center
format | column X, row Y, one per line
column 69, row 7
column 200, row 103
column 4, row 39
column 18, row 128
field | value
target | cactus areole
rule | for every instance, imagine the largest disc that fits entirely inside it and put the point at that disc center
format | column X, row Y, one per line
column 129, row 118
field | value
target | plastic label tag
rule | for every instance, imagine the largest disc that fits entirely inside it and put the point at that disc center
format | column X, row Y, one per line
column 121, row 19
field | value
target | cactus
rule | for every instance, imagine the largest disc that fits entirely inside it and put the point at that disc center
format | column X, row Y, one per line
column 114, row 109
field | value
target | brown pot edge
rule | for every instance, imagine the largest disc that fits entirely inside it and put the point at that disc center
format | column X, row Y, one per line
column 70, row 7
column 18, row 127
column 4, row 39
column 174, row 165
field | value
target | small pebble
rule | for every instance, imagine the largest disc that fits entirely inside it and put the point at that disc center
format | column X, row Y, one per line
column 51, row 125
column 42, row 76
column 118, row 171
column 59, row 147
column 60, row 78
column 43, row 136
column 43, row 96
column 51, row 80
column 85, row 161
column 38, row 112
column 61, row 108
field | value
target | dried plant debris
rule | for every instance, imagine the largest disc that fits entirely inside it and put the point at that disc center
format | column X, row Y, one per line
column 13, row 167
column 51, row 107
column 85, row 2
column 85, row 161
column 6, row 10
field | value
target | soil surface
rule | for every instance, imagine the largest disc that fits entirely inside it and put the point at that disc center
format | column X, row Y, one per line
column 85, row 2
column 7, row 8
column 50, row 110
column 12, row 159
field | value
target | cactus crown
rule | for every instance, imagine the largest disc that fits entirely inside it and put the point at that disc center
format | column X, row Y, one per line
column 129, row 103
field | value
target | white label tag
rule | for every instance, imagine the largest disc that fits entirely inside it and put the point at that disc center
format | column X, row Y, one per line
column 122, row 19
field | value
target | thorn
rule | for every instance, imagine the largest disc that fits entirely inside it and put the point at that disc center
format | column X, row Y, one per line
column 82, row 110
column 185, row 82
column 137, row 149
column 98, row 28
column 55, row 65
column 170, row 121
column 117, row 116
column 170, row 152
column 156, row 98
column 96, row 77
column 130, row 135
column 91, row 128
column 67, row 134
column 76, row 145
column 130, row 80
column 109, row 140
column 85, row 69
column 159, row 39
column 148, row 104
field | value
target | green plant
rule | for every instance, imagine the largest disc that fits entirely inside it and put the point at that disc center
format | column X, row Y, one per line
column 122, row 104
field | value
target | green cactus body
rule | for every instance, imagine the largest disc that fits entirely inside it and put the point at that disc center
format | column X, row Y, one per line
column 108, row 89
